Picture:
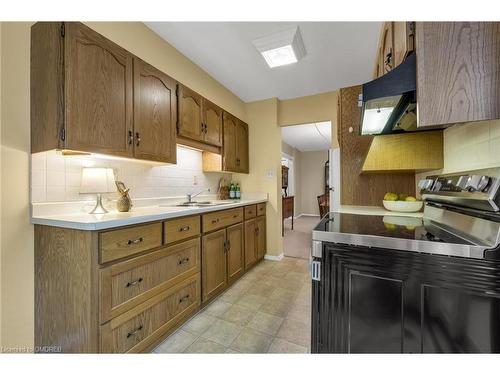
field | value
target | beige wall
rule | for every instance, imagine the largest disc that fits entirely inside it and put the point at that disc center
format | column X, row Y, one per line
column 307, row 109
column 0, row 185
column 312, row 166
column 265, row 156
column 16, row 272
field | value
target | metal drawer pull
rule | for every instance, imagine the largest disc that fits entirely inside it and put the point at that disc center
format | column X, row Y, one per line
column 214, row 221
column 134, row 283
column 136, row 241
column 185, row 298
column 184, row 228
column 135, row 331
column 183, row 260
column 235, row 216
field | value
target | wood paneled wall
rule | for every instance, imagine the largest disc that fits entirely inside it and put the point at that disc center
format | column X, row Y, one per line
column 356, row 188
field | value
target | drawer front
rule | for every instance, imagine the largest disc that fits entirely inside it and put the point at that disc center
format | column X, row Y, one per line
column 181, row 229
column 221, row 219
column 250, row 211
column 144, row 325
column 261, row 209
column 127, row 284
column 124, row 242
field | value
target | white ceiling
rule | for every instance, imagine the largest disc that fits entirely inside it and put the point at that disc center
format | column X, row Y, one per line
column 308, row 137
column 339, row 54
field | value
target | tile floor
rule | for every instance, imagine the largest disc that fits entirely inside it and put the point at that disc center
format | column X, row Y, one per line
column 267, row 311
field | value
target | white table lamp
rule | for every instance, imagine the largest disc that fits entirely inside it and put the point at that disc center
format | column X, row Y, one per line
column 97, row 181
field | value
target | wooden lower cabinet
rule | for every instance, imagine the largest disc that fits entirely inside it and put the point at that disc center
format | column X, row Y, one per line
column 126, row 289
column 235, row 252
column 214, row 264
column 139, row 328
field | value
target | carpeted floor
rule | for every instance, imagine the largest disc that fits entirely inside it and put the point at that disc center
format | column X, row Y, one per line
column 297, row 242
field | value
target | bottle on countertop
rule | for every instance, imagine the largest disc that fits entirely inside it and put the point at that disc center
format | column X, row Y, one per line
column 238, row 191
column 232, row 191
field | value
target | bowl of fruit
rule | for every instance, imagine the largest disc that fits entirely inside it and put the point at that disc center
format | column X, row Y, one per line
column 401, row 203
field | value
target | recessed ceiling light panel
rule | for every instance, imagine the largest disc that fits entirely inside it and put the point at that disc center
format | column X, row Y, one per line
column 282, row 48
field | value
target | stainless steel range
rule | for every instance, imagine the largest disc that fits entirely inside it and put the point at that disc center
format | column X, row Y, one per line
column 409, row 284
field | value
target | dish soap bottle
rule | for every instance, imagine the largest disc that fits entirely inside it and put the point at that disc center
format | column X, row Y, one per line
column 232, row 191
column 238, row 192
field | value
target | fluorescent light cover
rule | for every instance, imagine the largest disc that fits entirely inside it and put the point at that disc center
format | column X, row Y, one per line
column 374, row 119
column 283, row 48
column 279, row 56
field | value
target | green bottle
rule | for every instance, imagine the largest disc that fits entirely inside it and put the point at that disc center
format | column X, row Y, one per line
column 238, row 192
column 232, row 191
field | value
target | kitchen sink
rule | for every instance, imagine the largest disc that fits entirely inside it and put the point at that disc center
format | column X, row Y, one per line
column 197, row 204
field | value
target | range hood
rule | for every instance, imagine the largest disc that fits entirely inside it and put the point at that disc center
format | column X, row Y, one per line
column 389, row 102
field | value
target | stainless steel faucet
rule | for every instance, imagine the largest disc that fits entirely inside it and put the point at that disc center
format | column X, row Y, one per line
column 191, row 196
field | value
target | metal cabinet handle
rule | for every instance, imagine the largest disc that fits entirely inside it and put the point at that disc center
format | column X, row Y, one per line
column 133, row 283
column 235, row 216
column 136, row 241
column 215, row 221
column 183, row 260
column 135, row 331
column 182, row 299
column 137, row 138
column 130, row 137
column 184, row 228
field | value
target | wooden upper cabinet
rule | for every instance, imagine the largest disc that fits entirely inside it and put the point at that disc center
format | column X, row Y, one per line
column 190, row 122
column 458, row 72
column 98, row 97
column 387, row 48
column 241, row 147
column 155, row 114
column 212, row 123
column 229, row 148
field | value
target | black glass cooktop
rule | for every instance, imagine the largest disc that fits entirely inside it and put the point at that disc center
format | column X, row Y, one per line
column 403, row 227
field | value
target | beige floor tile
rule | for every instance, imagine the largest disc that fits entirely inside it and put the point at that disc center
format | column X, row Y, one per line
column 296, row 332
column 203, row 345
column 266, row 323
column 251, row 341
column 276, row 307
column 232, row 295
column 176, row 343
column 303, row 299
column 217, row 308
column 251, row 301
column 238, row 314
column 292, row 285
column 222, row 332
column 232, row 351
column 296, row 276
column 301, row 313
column 283, row 346
column 281, row 294
column 262, row 289
column 199, row 323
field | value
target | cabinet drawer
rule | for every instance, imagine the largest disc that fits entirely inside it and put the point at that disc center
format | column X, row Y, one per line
column 181, row 229
column 129, row 283
column 261, row 209
column 143, row 326
column 250, row 211
column 221, row 219
column 124, row 242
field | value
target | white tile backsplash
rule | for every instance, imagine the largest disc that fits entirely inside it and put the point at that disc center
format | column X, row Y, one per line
column 56, row 178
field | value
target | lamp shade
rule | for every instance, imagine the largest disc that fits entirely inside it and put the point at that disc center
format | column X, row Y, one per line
column 97, row 180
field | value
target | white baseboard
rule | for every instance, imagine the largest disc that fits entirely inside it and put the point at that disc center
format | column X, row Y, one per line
column 276, row 258
column 309, row 215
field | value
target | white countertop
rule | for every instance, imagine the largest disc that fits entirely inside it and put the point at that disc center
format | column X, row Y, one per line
column 375, row 210
column 76, row 219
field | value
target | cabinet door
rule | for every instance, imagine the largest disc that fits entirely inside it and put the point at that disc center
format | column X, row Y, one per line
column 261, row 237
column 229, row 148
column 212, row 119
column 241, row 147
column 190, row 116
column 458, row 72
column 387, row 57
column 235, row 252
column 403, row 36
column 213, row 269
column 98, row 93
column 155, row 109
column 250, row 242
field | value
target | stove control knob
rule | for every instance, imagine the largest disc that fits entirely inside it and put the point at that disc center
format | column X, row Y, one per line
column 463, row 182
column 425, row 184
column 477, row 183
